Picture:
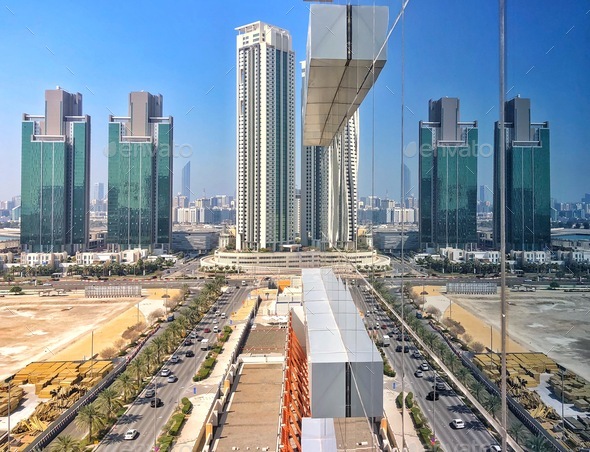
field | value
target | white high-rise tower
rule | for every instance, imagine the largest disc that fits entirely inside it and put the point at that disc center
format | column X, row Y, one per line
column 265, row 109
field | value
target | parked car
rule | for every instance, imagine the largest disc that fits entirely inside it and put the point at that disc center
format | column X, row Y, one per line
column 417, row 355
column 174, row 359
column 131, row 434
column 419, row 373
column 165, row 372
column 424, row 366
column 149, row 393
column 458, row 423
column 189, row 354
column 155, row 403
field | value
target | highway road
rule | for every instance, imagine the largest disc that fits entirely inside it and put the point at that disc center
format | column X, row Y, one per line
column 440, row 413
column 150, row 421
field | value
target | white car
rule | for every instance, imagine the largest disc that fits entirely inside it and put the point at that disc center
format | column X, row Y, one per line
column 419, row 373
column 424, row 366
column 458, row 423
column 165, row 372
column 495, row 448
column 131, row 434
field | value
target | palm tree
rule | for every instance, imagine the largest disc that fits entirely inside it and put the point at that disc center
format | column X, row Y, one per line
column 537, row 444
column 492, row 404
column 454, row 362
column 429, row 338
column 108, row 402
column 124, row 384
column 65, row 443
column 149, row 354
column 479, row 389
column 159, row 344
column 89, row 417
column 462, row 374
column 136, row 368
column 517, row 431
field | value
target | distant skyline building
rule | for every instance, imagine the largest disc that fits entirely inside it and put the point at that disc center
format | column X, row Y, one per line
column 448, row 177
column 140, row 176
column 265, row 109
column 99, row 191
column 55, row 182
column 407, row 183
column 528, row 189
column 185, row 189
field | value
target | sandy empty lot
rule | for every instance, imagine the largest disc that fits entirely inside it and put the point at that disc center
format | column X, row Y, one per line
column 37, row 328
column 556, row 323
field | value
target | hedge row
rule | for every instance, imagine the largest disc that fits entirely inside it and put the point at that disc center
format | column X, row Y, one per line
column 410, row 400
column 177, row 421
column 187, row 405
column 398, row 399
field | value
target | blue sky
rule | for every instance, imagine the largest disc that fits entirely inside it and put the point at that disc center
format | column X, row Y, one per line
column 185, row 50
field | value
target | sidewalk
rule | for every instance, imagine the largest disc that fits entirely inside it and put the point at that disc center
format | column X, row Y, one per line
column 205, row 393
column 394, row 416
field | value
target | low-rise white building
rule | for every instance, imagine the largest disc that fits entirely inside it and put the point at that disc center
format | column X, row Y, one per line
column 492, row 257
column 97, row 258
column 43, row 259
column 531, row 257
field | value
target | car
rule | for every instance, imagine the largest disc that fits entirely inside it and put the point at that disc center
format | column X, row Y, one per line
column 189, row 354
column 165, row 372
column 149, row 393
column 424, row 366
column 458, row 423
column 131, row 434
column 400, row 337
column 494, row 448
column 417, row 355
column 193, row 335
column 174, row 360
column 172, row 378
column 418, row 374
column 155, row 403
column 399, row 348
column 439, row 379
column 441, row 387
column 188, row 342
column 432, row 395
column 383, row 327
column 406, row 349
column 207, row 330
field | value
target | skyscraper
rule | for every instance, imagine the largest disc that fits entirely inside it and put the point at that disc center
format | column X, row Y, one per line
column 528, row 191
column 55, row 182
column 265, row 109
column 448, row 177
column 99, row 191
column 185, row 189
column 140, row 176
column 329, row 183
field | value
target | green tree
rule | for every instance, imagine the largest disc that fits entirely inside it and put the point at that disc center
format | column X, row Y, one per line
column 492, row 404
column 479, row 390
column 137, row 369
column 159, row 344
column 90, row 418
column 17, row 290
column 517, row 431
column 125, row 384
column 65, row 443
column 149, row 355
column 538, row 444
column 463, row 374
column 108, row 402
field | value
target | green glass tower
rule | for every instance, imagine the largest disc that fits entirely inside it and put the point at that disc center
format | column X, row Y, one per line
column 55, row 175
column 140, row 176
column 528, row 190
column 448, row 177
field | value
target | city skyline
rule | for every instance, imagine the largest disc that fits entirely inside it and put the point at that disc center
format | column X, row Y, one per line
column 205, row 134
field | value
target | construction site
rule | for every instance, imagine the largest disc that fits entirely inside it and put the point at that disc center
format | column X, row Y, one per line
column 50, row 365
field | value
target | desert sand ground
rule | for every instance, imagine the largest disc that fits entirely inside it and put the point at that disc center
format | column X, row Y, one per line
column 476, row 326
column 60, row 328
column 554, row 322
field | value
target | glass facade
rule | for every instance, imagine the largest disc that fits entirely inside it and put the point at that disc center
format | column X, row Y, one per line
column 528, row 191
column 448, row 189
column 140, row 188
column 55, row 187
